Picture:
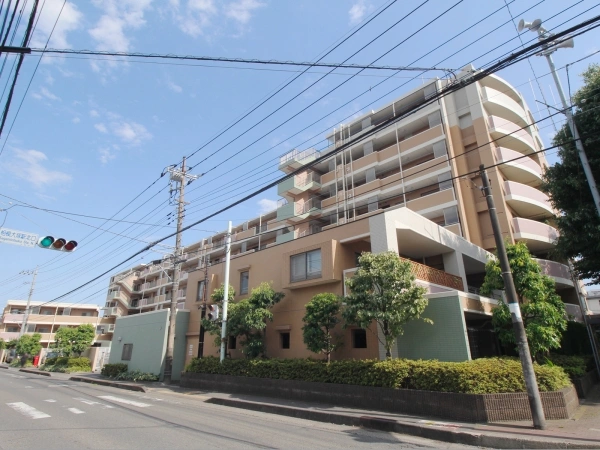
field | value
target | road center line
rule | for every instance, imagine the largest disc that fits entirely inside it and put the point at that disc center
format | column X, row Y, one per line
column 27, row 410
column 124, row 401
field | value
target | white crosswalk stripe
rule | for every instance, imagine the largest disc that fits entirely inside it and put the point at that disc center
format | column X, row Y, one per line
column 92, row 402
column 76, row 411
column 50, row 400
column 124, row 401
column 28, row 411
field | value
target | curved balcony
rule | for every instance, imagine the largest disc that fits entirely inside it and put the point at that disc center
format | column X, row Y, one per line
column 510, row 135
column 537, row 235
column 499, row 104
column 523, row 170
column 501, row 85
column 558, row 272
column 527, row 201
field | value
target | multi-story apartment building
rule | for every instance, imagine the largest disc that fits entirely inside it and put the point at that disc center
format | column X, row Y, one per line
column 413, row 188
column 47, row 318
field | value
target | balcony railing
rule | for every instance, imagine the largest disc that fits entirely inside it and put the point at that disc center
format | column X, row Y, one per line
column 303, row 208
column 298, row 155
column 282, row 202
column 435, row 276
column 303, row 180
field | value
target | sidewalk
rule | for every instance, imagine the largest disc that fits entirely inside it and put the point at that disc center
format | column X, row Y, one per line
column 582, row 431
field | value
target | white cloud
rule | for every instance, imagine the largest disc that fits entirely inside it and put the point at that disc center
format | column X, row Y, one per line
column 131, row 132
column 28, row 165
column 49, row 79
column 106, row 155
column 266, row 205
column 358, row 11
column 44, row 94
column 75, row 120
column 241, row 10
column 119, row 16
column 70, row 20
column 101, row 128
column 196, row 17
column 94, row 113
column 174, row 87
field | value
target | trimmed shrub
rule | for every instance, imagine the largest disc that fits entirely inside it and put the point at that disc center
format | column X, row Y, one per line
column 64, row 364
column 113, row 370
column 137, row 375
column 574, row 366
column 481, row 376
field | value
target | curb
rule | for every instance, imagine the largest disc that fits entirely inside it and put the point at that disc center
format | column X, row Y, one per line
column 454, row 435
column 36, row 372
column 129, row 387
column 4, row 367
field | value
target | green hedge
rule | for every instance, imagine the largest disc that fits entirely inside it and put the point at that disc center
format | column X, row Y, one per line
column 114, row 370
column 66, row 365
column 574, row 366
column 481, row 376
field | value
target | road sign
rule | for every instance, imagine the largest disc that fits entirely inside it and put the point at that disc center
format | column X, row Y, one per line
column 15, row 237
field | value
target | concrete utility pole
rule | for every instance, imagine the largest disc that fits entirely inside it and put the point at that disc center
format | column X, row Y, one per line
column 225, row 292
column 536, row 26
column 181, row 178
column 26, row 315
column 533, row 393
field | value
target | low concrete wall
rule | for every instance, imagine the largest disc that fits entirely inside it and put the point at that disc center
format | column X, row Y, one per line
column 464, row 407
column 585, row 383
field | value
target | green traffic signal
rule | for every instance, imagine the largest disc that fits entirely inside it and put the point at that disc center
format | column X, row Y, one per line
column 46, row 241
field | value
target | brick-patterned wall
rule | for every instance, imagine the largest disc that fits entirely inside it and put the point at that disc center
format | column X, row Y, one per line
column 446, row 405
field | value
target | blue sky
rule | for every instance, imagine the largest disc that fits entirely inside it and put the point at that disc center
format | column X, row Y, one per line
column 92, row 133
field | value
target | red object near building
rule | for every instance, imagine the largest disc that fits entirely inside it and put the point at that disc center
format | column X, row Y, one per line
column 36, row 360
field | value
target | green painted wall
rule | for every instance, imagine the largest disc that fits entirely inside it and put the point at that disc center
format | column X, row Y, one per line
column 181, row 327
column 148, row 334
column 445, row 340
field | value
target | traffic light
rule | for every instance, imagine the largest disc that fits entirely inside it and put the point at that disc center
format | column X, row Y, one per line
column 213, row 312
column 59, row 244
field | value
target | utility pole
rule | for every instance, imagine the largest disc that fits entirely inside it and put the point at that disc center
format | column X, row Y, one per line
column 225, row 292
column 533, row 393
column 181, row 178
column 203, row 310
column 26, row 315
column 536, row 26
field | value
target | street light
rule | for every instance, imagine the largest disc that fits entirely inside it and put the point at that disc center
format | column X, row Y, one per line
column 548, row 49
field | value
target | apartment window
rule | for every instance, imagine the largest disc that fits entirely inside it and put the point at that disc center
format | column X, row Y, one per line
column 232, row 343
column 451, row 215
column 244, row 276
column 445, row 181
column 359, row 338
column 285, row 340
column 200, row 294
column 66, row 312
column 127, row 351
column 305, row 266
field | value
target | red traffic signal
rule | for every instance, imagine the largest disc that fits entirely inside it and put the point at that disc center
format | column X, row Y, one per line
column 212, row 312
column 60, row 244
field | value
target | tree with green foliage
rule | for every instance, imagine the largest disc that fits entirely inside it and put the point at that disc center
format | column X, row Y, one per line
column 29, row 344
column 542, row 309
column 70, row 341
column 322, row 316
column 383, row 290
column 247, row 318
column 12, row 343
column 2, row 344
column 566, row 185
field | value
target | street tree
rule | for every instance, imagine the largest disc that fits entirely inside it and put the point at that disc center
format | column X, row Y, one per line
column 2, row 344
column 69, row 341
column 247, row 319
column 383, row 290
column 566, row 185
column 29, row 344
column 322, row 316
column 542, row 309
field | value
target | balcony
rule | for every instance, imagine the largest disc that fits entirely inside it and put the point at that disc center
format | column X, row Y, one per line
column 14, row 318
column 524, row 170
column 296, row 159
column 510, row 135
column 308, row 181
column 9, row 336
column 303, row 210
column 537, row 235
column 112, row 312
column 501, row 105
column 574, row 312
column 436, row 200
column 527, row 201
column 181, row 294
column 153, row 284
column 435, row 276
column 560, row 273
column 285, row 210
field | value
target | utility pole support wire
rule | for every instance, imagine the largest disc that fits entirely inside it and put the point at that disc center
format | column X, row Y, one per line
column 533, row 392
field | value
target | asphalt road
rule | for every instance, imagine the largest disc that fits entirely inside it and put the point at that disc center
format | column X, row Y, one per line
column 42, row 412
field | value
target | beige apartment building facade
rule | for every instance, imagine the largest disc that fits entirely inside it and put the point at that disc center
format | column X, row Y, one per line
column 47, row 318
column 413, row 183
